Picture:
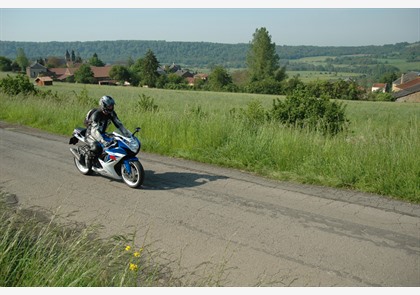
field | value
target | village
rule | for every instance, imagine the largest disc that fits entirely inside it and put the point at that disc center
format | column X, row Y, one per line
column 404, row 89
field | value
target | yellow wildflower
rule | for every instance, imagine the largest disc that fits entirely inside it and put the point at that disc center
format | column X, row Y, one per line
column 133, row 267
column 136, row 254
column 128, row 248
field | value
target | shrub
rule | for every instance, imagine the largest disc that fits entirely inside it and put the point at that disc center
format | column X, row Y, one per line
column 254, row 113
column 83, row 98
column 303, row 111
column 18, row 84
column 146, row 104
column 379, row 96
column 195, row 111
column 267, row 86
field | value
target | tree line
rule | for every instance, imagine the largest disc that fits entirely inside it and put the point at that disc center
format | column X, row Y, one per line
column 196, row 54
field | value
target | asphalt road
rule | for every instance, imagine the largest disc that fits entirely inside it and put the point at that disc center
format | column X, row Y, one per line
column 233, row 227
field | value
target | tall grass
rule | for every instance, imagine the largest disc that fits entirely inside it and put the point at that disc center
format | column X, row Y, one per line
column 35, row 251
column 40, row 249
column 379, row 154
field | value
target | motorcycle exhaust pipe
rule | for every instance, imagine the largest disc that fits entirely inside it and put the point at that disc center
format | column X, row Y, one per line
column 75, row 153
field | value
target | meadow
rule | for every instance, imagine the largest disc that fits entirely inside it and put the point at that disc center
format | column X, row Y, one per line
column 379, row 154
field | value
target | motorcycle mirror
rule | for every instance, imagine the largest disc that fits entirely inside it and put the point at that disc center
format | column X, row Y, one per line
column 137, row 130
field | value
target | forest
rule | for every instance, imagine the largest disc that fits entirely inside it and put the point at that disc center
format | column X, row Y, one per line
column 202, row 54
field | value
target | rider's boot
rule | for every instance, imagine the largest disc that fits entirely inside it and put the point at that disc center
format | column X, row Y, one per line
column 89, row 158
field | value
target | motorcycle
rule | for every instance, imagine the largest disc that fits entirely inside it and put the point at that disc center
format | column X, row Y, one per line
column 117, row 161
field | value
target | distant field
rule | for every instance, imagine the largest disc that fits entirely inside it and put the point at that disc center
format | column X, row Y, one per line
column 402, row 64
column 308, row 76
column 320, row 60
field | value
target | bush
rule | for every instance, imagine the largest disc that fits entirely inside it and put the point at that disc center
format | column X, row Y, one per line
column 379, row 96
column 267, row 86
column 317, row 114
column 254, row 114
column 18, row 84
column 83, row 98
column 195, row 112
column 146, row 104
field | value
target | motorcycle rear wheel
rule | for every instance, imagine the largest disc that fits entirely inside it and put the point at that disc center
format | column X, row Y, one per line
column 136, row 177
column 81, row 166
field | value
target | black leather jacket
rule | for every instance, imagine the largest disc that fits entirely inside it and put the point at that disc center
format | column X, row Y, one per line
column 100, row 122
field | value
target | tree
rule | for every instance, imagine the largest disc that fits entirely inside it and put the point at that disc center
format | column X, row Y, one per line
column 41, row 61
column 149, row 69
column 389, row 78
column 281, row 74
column 84, row 74
column 219, row 78
column 119, row 73
column 135, row 72
column 240, row 77
column 54, row 62
column 15, row 67
column 95, row 61
column 73, row 56
column 5, row 64
column 262, row 59
column 293, row 83
column 130, row 61
column 22, row 60
column 78, row 59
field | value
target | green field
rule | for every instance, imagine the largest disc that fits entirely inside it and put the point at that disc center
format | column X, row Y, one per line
column 308, row 76
column 379, row 154
column 402, row 64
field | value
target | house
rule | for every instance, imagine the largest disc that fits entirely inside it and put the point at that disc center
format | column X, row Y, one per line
column 379, row 87
column 44, row 81
column 161, row 71
column 408, row 92
column 56, row 72
column 35, row 69
column 101, row 74
column 203, row 77
column 190, row 81
column 184, row 73
column 174, row 68
column 68, row 73
column 404, row 79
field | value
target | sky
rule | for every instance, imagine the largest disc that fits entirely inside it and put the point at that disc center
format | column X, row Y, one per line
column 327, row 24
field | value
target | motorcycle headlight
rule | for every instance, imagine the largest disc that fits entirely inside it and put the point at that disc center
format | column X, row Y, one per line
column 134, row 145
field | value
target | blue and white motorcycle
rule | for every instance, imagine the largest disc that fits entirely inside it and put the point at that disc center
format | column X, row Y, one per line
column 117, row 161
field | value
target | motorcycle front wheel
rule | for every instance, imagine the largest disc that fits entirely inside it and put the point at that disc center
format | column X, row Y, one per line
column 136, row 177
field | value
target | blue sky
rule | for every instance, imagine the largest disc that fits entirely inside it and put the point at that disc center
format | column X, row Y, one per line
column 331, row 26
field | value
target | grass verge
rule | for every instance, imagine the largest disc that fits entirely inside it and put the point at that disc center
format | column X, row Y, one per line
column 41, row 249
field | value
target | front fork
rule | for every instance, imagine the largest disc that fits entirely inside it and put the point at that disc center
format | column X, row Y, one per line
column 127, row 164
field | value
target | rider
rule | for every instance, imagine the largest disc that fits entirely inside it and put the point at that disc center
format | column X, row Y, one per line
column 98, row 123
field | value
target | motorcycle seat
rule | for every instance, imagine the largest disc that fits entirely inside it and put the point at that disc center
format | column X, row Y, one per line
column 81, row 131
